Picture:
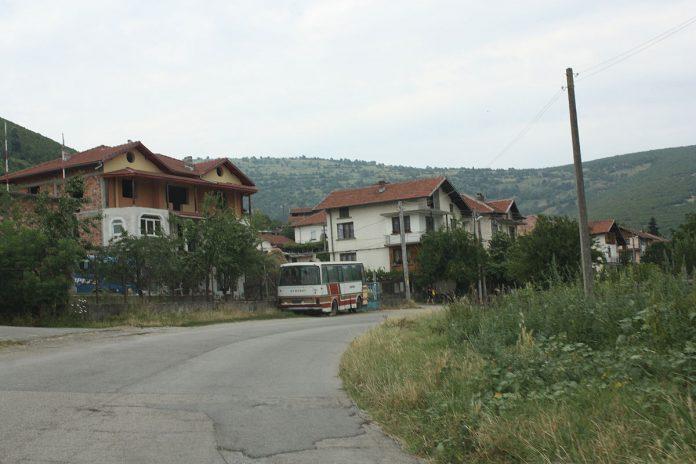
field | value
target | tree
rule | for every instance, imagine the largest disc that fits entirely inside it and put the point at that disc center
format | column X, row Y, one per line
column 220, row 245
column 552, row 249
column 652, row 227
column 450, row 255
column 497, row 270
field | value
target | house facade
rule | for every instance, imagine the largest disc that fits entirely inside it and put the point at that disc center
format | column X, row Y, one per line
column 309, row 228
column 130, row 189
column 362, row 224
column 493, row 216
column 637, row 242
column 608, row 239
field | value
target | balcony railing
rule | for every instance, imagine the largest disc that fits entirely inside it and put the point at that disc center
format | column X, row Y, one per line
column 409, row 237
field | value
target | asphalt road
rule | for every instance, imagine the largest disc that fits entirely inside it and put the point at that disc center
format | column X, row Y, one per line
column 249, row 392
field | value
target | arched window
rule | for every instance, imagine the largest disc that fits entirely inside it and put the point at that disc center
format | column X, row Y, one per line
column 150, row 225
column 219, row 171
column 117, row 227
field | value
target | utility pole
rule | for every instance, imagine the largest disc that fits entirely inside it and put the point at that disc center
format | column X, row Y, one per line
column 478, row 237
column 7, row 163
column 585, row 246
column 404, row 256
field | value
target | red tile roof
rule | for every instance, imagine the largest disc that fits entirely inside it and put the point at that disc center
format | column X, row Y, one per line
column 381, row 193
column 314, row 219
column 300, row 210
column 276, row 240
column 128, row 172
column 104, row 153
column 601, row 227
column 501, row 206
column 477, row 205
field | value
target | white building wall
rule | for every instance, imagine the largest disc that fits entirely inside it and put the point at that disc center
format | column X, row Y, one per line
column 130, row 216
column 306, row 234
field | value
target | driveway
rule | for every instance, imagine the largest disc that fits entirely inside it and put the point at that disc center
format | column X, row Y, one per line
column 250, row 392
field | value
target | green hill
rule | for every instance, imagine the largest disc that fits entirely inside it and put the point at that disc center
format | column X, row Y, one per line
column 26, row 147
column 630, row 188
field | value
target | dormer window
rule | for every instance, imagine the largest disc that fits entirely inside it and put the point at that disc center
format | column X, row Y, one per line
column 130, row 157
column 219, row 171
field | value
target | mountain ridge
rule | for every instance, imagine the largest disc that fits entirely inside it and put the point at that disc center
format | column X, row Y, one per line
column 630, row 188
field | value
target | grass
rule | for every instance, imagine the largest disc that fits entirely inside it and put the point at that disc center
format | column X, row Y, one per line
column 143, row 316
column 540, row 376
column 9, row 343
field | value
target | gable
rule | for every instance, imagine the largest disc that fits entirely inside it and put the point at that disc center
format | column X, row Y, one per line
column 227, row 176
column 140, row 163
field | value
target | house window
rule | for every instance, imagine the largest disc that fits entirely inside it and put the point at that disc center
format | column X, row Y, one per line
column 345, row 231
column 313, row 235
column 177, row 196
column 494, row 227
column 453, row 223
column 348, row 257
column 117, row 227
column 397, row 258
column 395, row 225
column 219, row 171
column 429, row 224
column 343, row 213
column 130, row 157
column 127, row 188
column 451, row 207
column 34, row 190
column 150, row 225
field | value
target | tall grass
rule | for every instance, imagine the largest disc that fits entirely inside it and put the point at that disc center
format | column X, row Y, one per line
column 541, row 376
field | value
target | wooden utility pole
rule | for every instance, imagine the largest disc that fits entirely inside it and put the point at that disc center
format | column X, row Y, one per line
column 404, row 256
column 585, row 245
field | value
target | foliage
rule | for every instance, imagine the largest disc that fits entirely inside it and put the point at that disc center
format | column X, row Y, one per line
column 450, row 255
column 680, row 253
column 29, row 148
column 541, row 376
column 38, row 257
column 307, row 247
column 550, row 251
column 630, row 188
column 652, row 227
column 498, row 266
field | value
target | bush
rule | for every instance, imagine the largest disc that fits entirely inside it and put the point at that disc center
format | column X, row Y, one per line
column 541, row 376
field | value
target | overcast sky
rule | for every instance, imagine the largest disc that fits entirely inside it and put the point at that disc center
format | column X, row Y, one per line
column 439, row 83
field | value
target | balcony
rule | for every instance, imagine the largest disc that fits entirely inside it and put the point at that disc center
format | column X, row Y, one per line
column 409, row 237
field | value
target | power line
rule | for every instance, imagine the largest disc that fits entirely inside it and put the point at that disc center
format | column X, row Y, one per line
column 528, row 126
column 621, row 57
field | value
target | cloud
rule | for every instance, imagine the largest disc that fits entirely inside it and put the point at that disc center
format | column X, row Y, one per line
column 413, row 82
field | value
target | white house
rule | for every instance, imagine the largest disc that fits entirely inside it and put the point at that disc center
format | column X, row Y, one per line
column 363, row 223
column 309, row 228
column 492, row 216
column 607, row 238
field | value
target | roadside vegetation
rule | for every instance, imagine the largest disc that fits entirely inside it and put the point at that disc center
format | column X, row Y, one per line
column 42, row 250
column 541, row 376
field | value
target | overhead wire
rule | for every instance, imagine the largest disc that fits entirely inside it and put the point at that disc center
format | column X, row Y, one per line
column 589, row 72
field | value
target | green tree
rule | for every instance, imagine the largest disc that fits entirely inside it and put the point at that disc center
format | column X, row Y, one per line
column 498, row 267
column 652, row 227
column 450, row 255
column 552, row 249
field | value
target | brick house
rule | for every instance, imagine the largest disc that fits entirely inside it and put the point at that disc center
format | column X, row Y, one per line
column 135, row 190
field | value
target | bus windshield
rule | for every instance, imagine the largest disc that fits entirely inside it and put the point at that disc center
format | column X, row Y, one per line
column 300, row 275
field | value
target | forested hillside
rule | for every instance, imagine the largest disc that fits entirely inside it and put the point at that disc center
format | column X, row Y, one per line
column 26, row 147
column 631, row 188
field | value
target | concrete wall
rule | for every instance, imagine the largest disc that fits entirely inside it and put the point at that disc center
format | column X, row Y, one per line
column 304, row 234
column 140, row 163
column 227, row 176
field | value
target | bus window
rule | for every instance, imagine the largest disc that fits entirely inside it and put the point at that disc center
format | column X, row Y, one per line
column 299, row 275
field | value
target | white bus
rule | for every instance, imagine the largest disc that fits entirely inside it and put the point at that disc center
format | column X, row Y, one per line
column 328, row 287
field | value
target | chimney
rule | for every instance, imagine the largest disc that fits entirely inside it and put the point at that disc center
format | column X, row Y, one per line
column 480, row 197
column 382, row 186
column 188, row 162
